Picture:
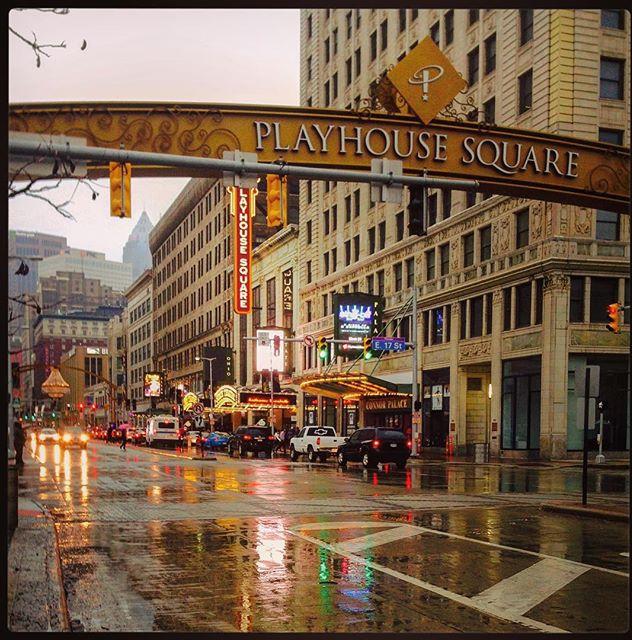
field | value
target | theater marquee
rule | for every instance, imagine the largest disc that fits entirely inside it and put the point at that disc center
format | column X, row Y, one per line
column 504, row 160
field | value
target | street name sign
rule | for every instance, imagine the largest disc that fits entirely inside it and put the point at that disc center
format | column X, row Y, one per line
column 388, row 344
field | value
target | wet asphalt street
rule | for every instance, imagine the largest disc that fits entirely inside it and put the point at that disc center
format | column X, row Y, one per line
column 157, row 542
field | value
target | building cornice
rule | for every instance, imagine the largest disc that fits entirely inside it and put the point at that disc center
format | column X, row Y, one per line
column 145, row 279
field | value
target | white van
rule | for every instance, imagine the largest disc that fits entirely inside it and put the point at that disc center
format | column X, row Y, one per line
column 162, row 429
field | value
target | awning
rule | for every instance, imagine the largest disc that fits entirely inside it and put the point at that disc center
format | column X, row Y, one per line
column 350, row 385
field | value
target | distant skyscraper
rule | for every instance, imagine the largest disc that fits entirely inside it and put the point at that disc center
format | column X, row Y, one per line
column 136, row 249
column 30, row 244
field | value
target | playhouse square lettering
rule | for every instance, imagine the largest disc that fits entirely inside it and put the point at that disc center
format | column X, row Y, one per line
column 501, row 156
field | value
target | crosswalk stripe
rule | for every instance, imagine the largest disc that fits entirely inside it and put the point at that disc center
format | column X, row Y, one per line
column 522, row 591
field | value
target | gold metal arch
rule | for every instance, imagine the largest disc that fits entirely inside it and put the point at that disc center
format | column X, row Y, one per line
column 504, row 160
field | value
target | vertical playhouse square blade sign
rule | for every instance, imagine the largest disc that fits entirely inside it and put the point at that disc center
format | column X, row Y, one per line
column 242, row 206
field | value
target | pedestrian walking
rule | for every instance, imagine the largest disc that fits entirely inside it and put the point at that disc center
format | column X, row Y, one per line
column 287, row 437
column 18, row 442
column 282, row 438
column 108, row 435
column 277, row 441
column 123, row 444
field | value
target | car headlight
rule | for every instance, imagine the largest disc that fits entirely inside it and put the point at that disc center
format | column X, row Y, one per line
column 40, row 437
column 84, row 437
column 66, row 437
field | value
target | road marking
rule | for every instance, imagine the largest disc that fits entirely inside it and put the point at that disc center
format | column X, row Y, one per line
column 524, row 590
column 455, row 597
column 360, row 525
column 375, row 539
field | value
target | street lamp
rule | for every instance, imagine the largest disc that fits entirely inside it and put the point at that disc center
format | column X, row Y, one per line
column 198, row 359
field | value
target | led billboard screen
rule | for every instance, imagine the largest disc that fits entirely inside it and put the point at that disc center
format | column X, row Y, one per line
column 356, row 316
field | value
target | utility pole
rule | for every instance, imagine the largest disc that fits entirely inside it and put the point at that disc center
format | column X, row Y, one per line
column 416, row 415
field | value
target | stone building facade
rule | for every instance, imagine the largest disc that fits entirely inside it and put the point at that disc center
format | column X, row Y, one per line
column 512, row 291
column 139, row 338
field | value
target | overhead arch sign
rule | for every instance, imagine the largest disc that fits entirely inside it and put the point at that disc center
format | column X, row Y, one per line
column 504, row 160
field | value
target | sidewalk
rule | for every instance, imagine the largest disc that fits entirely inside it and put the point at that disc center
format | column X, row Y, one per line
column 35, row 598
column 607, row 511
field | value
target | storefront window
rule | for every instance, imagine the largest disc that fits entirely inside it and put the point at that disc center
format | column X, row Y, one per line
column 521, row 404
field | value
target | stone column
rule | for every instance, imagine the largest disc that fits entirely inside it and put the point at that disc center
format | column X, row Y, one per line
column 456, row 387
column 554, row 394
column 496, row 373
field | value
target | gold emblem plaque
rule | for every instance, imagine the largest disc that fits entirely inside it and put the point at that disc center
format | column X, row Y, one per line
column 426, row 79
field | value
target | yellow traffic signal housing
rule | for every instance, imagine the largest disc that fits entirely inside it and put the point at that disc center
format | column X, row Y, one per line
column 276, row 200
column 613, row 313
column 322, row 348
column 120, row 190
column 366, row 349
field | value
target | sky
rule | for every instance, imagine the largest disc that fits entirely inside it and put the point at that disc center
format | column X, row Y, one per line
column 174, row 55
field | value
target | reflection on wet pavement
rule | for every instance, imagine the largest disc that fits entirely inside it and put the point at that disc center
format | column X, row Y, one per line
column 155, row 542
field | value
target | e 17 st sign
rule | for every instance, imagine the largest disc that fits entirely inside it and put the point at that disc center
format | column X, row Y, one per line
column 242, row 206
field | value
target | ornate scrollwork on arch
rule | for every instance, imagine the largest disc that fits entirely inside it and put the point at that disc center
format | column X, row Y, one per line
column 605, row 178
column 383, row 96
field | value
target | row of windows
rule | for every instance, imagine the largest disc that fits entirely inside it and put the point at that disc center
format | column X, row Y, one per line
column 204, row 206
column 181, row 310
column 141, row 354
column 194, row 328
column 186, row 357
column 220, row 252
column 221, row 282
column 139, row 311
column 142, row 333
column 590, row 297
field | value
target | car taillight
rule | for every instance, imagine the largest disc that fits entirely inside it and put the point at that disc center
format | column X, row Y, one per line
column 247, row 437
column 409, row 444
column 270, row 437
column 318, row 440
column 376, row 444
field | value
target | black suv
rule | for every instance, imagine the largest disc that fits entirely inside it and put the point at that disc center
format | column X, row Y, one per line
column 372, row 446
column 253, row 439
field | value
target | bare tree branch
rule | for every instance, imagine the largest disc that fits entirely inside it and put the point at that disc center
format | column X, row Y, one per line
column 38, row 49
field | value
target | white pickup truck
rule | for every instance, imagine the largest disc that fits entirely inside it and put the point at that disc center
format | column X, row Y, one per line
column 316, row 442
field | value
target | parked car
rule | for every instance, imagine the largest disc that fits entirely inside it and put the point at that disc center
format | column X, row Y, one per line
column 48, row 434
column 74, row 435
column 316, row 443
column 372, row 446
column 216, row 440
column 254, row 439
column 162, row 429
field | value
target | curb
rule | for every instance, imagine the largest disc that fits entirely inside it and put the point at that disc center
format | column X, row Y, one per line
column 588, row 512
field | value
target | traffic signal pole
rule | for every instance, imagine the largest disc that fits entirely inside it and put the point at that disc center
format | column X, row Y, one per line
column 415, row 414
column 215, row 165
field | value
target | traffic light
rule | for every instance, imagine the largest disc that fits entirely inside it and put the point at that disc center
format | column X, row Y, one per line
column 417, row 214
column 322, row 348
column 15, row 375
column 276, row 200
column 366, row 349
column 614, row 310
column 120, row 190
column 53, row 415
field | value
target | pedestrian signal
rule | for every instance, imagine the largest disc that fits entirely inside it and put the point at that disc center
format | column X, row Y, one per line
column 322, row 348
column 276, row 200
column 366, row 349
column 614, row 310
column 120, row 190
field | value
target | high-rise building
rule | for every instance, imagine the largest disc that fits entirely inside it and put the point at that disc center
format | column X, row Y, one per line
column 192, row 255
column 56, row 334
column 25, row 244
column 513, row 291
column 139, row 333
column 92, row 264
column 136, row 250
column 68, row 291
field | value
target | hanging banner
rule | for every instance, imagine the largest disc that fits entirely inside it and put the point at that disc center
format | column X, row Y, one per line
column 242, row 206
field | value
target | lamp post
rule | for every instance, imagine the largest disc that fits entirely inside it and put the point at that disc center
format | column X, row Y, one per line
column 198, row 359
